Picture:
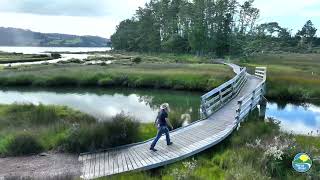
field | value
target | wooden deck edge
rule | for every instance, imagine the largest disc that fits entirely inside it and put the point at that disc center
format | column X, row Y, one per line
column 163, row 163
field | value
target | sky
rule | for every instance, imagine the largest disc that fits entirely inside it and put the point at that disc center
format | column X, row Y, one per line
column 100, row 17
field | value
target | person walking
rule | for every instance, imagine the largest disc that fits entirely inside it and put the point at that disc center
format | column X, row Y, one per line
column 162, row 122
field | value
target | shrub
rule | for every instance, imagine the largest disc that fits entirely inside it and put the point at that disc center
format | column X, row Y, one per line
column 107, row 81
column 55, row 55
column 137, row 60
column 121, row 130
column 74, row 60
column 24, row 144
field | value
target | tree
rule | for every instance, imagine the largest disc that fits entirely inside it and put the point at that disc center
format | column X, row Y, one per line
column 125, row 36
column 307, row 33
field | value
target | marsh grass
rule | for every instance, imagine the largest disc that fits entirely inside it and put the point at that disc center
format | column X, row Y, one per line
column 195, row 77
column 163, row 57
column 28, row 129
column 294, row 77
column 19, row 57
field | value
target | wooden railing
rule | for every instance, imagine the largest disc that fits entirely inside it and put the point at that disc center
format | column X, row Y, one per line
column 215, row 99
column 248, row 102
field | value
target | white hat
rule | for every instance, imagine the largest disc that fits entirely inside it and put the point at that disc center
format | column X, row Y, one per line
column 165, row 106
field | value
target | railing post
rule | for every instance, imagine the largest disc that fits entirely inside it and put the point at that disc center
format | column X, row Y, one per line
column 203, row 109
column 252, row 99
column 239, row 111
column 220, row 98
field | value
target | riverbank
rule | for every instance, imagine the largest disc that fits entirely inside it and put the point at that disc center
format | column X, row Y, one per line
column 259, row 150
column 291, row 77
column 19, row 57
column 195, row 77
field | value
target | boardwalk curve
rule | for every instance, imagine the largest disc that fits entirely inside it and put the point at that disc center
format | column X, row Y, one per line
column 222, row 110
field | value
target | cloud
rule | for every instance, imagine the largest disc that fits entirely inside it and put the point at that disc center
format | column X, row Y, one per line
column 101, row 26
column 71, row 7
column 81, row 17
column 272, row 8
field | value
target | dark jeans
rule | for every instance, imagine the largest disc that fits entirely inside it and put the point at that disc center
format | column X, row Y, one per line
column 161, row 130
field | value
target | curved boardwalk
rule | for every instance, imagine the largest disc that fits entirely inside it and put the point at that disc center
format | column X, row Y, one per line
column 187, row 141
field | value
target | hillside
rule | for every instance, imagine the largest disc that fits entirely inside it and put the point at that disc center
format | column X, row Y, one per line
column 21, row 37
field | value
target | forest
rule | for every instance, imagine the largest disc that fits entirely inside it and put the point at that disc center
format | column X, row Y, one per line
column 209, row 27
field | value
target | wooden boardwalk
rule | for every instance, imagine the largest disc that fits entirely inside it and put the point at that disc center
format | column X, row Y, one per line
column 223, row 109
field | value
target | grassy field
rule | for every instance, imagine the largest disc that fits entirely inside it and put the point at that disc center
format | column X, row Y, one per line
column 19, row 57
column 198, row 77
column 257, row 151
column 294, row 77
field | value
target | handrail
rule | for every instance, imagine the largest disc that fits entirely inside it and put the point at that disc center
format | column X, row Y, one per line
column 248, row 102
column 216, row 98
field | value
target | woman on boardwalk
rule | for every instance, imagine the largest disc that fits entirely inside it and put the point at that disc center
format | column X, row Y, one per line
column 162, row 122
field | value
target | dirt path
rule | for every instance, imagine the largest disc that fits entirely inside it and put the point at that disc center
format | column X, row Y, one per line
column 49, row 166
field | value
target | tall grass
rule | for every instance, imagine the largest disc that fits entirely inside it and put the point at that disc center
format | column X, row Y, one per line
column 29, row 129
column 293, row 77
column 160, row 76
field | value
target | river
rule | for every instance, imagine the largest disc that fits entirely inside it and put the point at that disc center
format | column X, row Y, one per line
column 143, row 105
column 68, row 53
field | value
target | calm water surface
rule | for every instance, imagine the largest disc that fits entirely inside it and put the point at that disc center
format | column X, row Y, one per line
column 39, row 50
column 144, row 104
column 104, row 104
column 43, row 50
column 297, row 119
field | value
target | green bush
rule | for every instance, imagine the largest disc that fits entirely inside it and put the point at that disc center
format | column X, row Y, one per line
column 55, row 55
column 107, row 81
column 137, row 60
column 24, row 144
column 120, row 131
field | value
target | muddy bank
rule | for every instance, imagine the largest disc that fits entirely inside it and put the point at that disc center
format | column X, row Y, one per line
column 47, row 166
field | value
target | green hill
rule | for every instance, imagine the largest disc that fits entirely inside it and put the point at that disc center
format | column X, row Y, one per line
column 21, row 37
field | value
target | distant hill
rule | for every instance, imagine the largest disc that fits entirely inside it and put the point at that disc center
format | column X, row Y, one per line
column 21, row 37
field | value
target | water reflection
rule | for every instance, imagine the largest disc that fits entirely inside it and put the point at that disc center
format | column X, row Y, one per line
column 297, row 119
column 104, row 104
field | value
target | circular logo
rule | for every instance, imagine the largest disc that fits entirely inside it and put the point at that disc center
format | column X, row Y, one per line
column 302, row 162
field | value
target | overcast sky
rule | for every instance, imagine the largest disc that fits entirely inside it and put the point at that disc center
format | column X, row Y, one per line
column 100, row 17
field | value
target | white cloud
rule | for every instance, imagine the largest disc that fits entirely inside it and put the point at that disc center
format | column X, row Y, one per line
column 60, row 17
column 272, row 8
column 101, row 26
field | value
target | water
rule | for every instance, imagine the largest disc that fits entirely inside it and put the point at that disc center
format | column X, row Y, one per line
column 104, row 103
column 144, row 104
column 43, row 50
column 296, row 119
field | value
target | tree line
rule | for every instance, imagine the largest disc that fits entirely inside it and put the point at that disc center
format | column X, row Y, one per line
column 202, row 27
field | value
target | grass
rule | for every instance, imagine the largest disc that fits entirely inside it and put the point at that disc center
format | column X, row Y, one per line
column 29, row 129
column 163, row 57
column 293, row 77
column 19, row 57
column 246, row 154
column 196, row 77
